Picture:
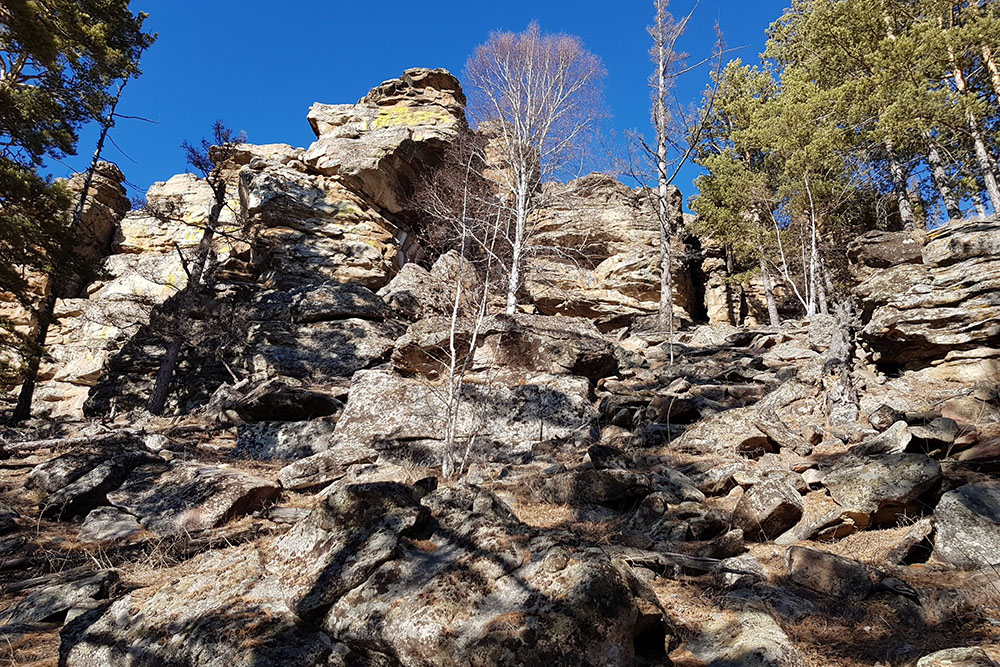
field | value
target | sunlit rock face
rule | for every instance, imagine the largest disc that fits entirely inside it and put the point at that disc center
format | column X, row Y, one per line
column 933, row 304
column 335, row 214
column 102, row 211
column 380, row 145
column 595, row 252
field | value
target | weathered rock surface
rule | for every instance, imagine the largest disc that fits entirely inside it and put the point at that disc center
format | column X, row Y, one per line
column 390, row 412
column 828, row 573
column 543, row 603
column 968, row 526
column 54, row 602
column 382, row 143
column 883, row 487
column 607, row 266
column 732, row 431
column 751, row 638
column 417, row 293
column 509, row 344
column 185, row 498
column 284, row 441
column 77, row 482
column 768, row 509
column 326, row 467
column 477, row 588
column 211, row 617
column 106, row 524
column 957, row 657
column 943, row 310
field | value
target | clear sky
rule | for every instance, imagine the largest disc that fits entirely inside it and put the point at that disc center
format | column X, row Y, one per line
column 258, row 65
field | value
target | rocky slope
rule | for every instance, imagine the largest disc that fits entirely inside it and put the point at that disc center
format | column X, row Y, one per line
column 773, row 497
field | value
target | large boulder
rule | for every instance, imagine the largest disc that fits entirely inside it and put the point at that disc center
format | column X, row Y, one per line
column 417, row 293
column 731, row 432
column 375, row 575
column 944, row 309
column 408, row 416
column 178, row 498
column 210, row 617
column 483, row 590
column 750, row 638
column 75, row 483
column 509, row 344
column 607, row 266
column 968, row 526
column 877, row 489
column 828, row 573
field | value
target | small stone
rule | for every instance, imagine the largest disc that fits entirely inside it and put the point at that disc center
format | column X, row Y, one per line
column 884, row 417
column 957, row 657
column 767, row 510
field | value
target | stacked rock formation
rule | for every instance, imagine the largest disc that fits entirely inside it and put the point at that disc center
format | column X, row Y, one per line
column 622, row 498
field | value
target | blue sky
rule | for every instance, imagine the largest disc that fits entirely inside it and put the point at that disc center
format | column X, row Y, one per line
column 258, row 65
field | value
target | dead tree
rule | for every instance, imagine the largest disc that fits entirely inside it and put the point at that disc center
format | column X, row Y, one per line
column 470, row 218
column 174, row 319
column 677, row 134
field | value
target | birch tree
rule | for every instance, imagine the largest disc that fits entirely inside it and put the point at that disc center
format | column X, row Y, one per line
column 543, row 96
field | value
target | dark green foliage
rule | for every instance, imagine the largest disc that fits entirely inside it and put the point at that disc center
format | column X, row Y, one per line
column 59, row 60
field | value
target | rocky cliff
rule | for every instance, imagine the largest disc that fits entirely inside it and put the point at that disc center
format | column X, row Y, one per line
column 820, row 494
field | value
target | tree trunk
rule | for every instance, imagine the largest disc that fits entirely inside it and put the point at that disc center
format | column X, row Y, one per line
column 994, row 71
column 899, row 186
column 942, row 181
column 666, row 315
column 982, row 154
column 666, row 231
column 772, row 307
column 46, row 315
column 824, row 306
column 158, row 398
column 515, row 273
column 985, row 164
column 977, row 197
column 842, row 400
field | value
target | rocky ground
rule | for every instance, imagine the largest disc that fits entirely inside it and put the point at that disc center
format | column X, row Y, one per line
column 824, row 493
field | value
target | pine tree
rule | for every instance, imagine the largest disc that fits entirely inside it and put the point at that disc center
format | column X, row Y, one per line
column 59, row 61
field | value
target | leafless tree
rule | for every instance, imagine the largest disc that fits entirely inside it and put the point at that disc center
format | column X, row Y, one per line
column 678, row 132
column 542, row 97
column 174, row 320
column 470, row 219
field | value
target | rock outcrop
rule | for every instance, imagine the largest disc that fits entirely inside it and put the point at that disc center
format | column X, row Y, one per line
column 621, row 496
column 596, row 254
column 935, row 307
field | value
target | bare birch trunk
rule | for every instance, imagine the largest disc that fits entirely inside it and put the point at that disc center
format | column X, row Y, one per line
column 520, row 225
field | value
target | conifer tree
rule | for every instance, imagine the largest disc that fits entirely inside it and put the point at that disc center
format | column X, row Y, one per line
column 59, row 61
